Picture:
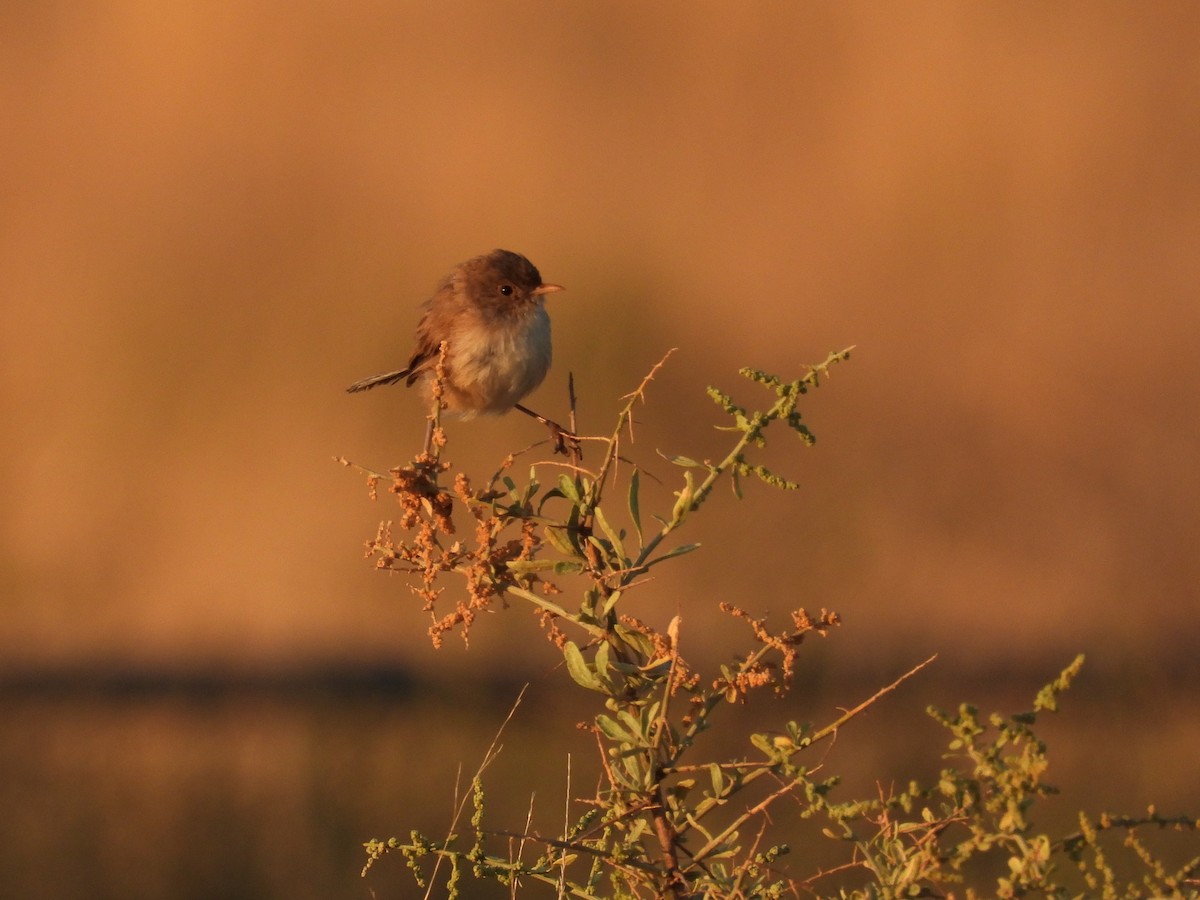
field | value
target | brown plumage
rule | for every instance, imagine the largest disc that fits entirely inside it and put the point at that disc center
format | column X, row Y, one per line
column 491, row 312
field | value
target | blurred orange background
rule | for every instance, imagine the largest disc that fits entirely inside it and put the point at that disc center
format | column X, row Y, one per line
column 216, row 217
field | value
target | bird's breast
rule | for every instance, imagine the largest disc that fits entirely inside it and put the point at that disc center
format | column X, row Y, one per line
column 494, row 364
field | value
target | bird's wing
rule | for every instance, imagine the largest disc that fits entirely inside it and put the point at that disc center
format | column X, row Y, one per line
column 424, row 357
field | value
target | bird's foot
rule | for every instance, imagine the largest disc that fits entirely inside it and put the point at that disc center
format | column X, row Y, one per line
column 565, row 442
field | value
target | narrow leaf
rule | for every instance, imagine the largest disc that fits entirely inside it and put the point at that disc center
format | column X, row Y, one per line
column 531, row 489
column 634, row 510
column 686, row 461
column 611, row 534
column 635, row 639
column 610, row 602
column 549, row 495
column 561, row 539
column 522, row 566
column 601, row 661
column 631, row 722
column 636, row 770
column 671, row 554
column 718, row 779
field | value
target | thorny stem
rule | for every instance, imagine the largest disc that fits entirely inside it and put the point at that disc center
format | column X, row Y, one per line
column 832, row 727
column 624, row 417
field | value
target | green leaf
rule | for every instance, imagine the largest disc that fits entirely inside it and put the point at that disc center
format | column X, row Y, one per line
column 531, row 489
column 614, row 732
column 635, row 639
column 588, row 607
column 578, row 668
column 764, row 743
column 695, row 823
column 649, row 714
column 634, row 510
column 633, row 723
column 547, row 497
column 718, row 779
column 521, row 566
column 671, row 554
column 601, row 662
column 560, row 538
column 680, row 789
column 567, row 567
column 686, row 461
column 657, row 667
column 610, row 602
column 636, row 769
column 568, row 488
column 611, row 534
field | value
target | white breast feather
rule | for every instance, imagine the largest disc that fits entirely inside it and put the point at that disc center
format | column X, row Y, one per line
column 501, row 364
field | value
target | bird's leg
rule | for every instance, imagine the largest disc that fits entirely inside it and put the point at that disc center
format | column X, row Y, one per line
column 564, row 441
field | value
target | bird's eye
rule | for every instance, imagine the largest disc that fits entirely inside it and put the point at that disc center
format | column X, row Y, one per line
column 506, row 289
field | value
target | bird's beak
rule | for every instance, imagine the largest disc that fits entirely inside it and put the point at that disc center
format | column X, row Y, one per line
column 547, row 289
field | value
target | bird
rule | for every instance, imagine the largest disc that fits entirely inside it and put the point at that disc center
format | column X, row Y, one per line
column 490, row 311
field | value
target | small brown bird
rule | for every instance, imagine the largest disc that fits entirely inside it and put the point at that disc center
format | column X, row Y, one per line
column 491, row 312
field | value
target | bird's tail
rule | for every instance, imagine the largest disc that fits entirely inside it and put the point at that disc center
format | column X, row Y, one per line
column 375, row 380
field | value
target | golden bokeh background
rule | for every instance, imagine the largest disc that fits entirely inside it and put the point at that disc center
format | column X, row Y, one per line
column 216, row 217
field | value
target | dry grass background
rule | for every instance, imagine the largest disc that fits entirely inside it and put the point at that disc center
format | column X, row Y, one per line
column 214, row 218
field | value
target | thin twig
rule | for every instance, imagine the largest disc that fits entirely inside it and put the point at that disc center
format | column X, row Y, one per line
column 562, row 873
column 521, row 846
column 832, row 728
column 489, row 757
column 707, row 806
